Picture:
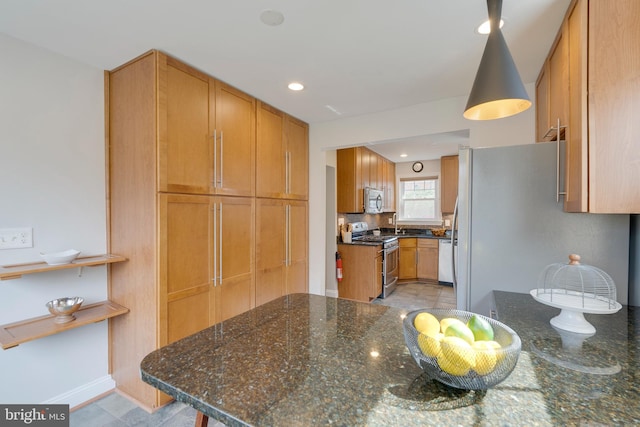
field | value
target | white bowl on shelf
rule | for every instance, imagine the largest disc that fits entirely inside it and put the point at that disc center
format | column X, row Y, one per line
column 59, row 258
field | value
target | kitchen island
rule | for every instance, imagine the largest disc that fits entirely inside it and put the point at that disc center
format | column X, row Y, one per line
column 306, row 360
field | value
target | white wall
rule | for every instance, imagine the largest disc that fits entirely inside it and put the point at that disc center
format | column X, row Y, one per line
column 423, row 119
column 52, row 178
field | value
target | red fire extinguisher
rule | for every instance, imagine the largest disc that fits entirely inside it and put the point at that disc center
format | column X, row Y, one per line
column 338, row 267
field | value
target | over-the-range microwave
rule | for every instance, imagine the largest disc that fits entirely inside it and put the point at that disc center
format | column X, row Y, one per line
column 373, row 200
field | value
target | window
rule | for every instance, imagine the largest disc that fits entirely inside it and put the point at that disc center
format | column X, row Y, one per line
column 418, row 199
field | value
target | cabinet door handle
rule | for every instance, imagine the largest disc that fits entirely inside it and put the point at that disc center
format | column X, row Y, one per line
column 558, row 192
column 215, row 245
column 215, row 158
column 286, row 172
column 221, row 158
column 220, row 242
column 286, row 234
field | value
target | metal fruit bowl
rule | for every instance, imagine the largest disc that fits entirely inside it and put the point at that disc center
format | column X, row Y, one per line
column 506, row 357
column 63, row 308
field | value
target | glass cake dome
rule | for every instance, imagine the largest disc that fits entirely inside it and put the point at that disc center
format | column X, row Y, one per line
column 576, row 289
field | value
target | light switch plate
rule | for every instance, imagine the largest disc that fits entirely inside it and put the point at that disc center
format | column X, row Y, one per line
column 16, row 238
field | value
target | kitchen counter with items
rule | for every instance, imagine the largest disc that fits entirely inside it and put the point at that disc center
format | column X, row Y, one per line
column 313, row 360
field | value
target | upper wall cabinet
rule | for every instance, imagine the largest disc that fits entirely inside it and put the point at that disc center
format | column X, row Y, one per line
column 594, row 63
column 358, row 168
column 448, row 183
column 200, row 117
column 283, row 150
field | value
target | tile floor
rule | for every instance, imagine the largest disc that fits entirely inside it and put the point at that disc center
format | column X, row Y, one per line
column 115, row 410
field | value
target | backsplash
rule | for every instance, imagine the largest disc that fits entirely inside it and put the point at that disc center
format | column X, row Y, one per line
column 382, row 221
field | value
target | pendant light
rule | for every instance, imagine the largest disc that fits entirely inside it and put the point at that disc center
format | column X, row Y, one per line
column 497, row 90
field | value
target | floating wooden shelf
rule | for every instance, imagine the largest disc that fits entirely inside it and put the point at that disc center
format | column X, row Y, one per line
column 17, row 270
column 16, row 333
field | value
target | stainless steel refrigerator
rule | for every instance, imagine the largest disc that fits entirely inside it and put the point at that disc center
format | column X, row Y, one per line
column 510, row 226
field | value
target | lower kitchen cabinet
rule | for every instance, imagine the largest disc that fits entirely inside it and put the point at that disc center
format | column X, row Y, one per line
column 361, row 272
column 418, row 258
column 408, row 258
column 281, row 248
column 427, row 259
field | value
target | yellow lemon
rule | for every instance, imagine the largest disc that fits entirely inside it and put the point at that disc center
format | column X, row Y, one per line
column 498, row 350
column 459, row 329
column 427, row 324
column 447, row 321
column 458, row 352
column 447, row 366
column 430, row 346
column 485, row 357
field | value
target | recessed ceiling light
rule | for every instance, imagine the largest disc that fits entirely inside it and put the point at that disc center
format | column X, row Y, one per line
column 295, row 86
column 272, row 18
column 485, row 27
column 403, row 155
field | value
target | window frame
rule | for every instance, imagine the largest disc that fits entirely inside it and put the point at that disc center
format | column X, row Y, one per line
column 437, row 214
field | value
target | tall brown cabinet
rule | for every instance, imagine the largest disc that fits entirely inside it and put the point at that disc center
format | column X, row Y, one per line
column 182, row 184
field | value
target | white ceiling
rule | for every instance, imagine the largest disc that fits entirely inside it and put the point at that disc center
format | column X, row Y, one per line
column 353, row 56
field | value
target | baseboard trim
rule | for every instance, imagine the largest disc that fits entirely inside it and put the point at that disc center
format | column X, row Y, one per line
column 331, row 293
column 80, row 395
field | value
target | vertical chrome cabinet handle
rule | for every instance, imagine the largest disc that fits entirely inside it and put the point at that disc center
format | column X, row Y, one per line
column 558, row 192
column 215, row 245
column 215, row 158
column 221, row 158
column 220, row 243
column 286, row 232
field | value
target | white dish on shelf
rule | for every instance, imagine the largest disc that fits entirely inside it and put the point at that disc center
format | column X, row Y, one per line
column 572, row 307
column 60, row 258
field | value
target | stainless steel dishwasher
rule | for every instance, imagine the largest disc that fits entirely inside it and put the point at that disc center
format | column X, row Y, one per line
column 445, row 266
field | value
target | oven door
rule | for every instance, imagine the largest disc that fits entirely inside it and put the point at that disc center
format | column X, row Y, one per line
column 390, row 270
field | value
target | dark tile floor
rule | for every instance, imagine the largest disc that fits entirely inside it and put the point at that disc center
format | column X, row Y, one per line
column 115, row 410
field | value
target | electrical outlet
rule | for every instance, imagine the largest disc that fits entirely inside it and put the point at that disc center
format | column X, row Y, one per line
column 15, row 238
column 340, row 221
column 390, row 220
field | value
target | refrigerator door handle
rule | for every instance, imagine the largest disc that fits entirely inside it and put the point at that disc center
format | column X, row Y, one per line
column 453, row 246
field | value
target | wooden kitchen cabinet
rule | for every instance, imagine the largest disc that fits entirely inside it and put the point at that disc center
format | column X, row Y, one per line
column 171, row 136
column 602, row 40
column 283, row 150
column 207, row 141
column 281, row 248
column 389, row 184
column 448, row 183
column 407, row 258
column 358, row 168
column 361, row 272
column 427, row 259
column 418, row 258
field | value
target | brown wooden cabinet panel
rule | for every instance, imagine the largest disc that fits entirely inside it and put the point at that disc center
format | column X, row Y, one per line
column 185, row 138
column 234, row 264
column 185, row 264
column 281, row 250
column 448, row 183
column 283, row 152
column 235, row 148
column 297, row 235
column 297, row 138
column 407, row 258
column 361, row 273
column 427, row 264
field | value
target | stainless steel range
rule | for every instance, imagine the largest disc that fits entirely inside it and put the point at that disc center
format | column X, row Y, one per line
column 390, row 254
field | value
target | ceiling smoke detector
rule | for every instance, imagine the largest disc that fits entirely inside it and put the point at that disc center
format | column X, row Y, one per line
column 273, row 18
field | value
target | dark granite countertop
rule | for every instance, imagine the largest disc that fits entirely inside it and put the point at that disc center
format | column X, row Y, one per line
column 306, row 360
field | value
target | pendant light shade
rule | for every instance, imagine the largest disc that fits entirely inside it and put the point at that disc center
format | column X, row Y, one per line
column 497, row 90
